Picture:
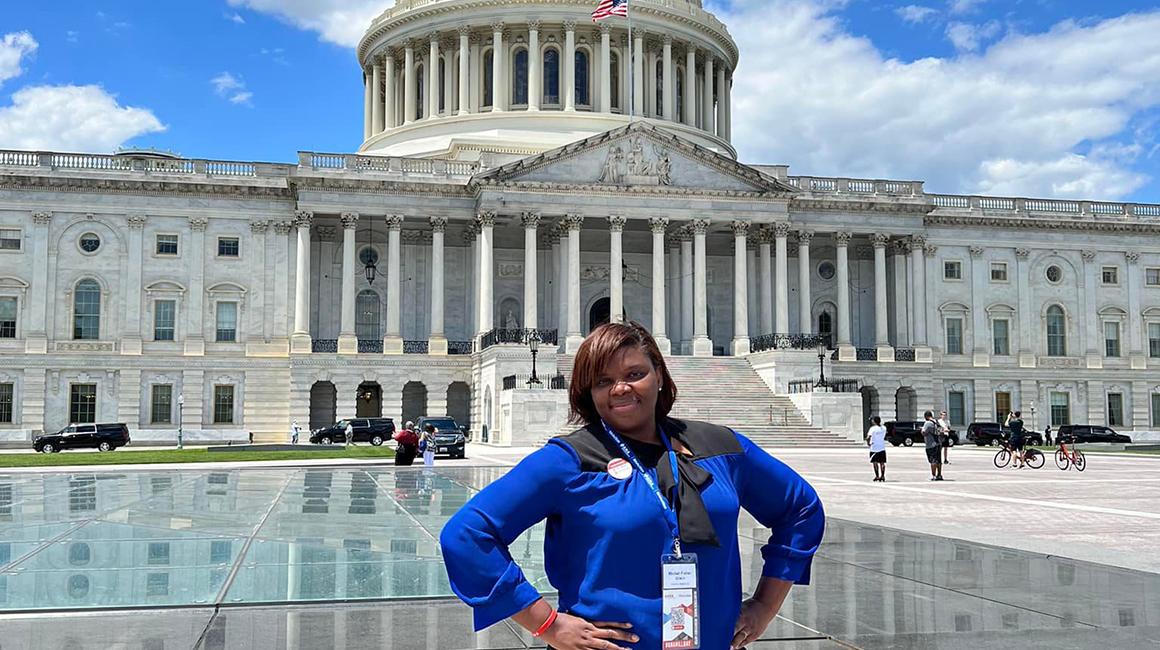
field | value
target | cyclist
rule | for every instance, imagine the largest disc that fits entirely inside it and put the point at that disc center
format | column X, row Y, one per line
column 1015, row 423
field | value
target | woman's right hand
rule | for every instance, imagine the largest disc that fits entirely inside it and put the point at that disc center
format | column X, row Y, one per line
column 574, row 633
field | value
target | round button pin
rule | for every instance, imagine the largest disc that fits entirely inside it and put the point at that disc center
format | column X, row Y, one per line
column 619, row 469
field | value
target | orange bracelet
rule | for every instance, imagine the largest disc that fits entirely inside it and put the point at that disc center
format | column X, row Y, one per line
column 547, row 624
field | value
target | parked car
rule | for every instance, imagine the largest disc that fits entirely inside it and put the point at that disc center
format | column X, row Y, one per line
column 990, row 433
column 450, row 438
column 1091, row 433
column 910, row 432
column 373, row 430
column 102, row 437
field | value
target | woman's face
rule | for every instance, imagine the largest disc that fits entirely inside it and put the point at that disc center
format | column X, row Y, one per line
column 626, row 390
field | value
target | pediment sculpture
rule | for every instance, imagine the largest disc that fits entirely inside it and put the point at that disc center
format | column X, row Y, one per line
column 634, row 165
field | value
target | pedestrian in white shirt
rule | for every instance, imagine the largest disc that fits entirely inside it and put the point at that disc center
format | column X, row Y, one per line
column 876, row 439
column 944, row 434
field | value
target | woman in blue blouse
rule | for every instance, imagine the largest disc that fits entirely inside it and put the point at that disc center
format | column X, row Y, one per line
column 608, row 494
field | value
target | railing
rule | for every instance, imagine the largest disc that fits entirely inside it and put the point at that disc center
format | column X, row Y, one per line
column 1045, row 207
column 904, row 354
column 132, row 162
column 867, row 354
column 388, row 164
column 788, row 342
column 324, row 346
column 512, row 382
column 370, row 346
column 859, row 186
column 516, row 337
column 459, row 347
column 416, row 347
column 558, row 383
column 831, row 386
column 843, row 385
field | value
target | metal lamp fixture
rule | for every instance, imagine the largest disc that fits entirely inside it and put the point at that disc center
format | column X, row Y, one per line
column 370, row 270
column 534, row 346
column 822, row 350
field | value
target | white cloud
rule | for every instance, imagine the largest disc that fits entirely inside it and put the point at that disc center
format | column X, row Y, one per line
column 342, row 22
column 964, row 6
column 915, row 14
column 967, row 37
column 13, row 48
column 231, row 88
column 71, row 118
column 1019, row 117
column 235, row 18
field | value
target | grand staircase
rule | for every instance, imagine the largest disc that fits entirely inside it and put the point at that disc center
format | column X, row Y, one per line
column 727, row 391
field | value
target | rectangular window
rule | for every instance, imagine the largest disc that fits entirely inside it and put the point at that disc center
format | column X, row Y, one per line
column 1156, row 409
column 1115, row 409
column 10, row 239
column 227, row 322
column 1002, row 406
column 157, row 584
column 8, row 318
column 998, row 271
column 228, row 247
column 1110, row 275
column 223, row 404
column 1154, row 340
column 957, row 407
column 953, row 270
column 167, row 244
column 1060, row 409
column 161, row 404
column 158, row 553
column 1000, row 335
column 82, row 403
column 220, row 551
column 164, row 318
column 954, row 336
column 1111, row 339
column 1152, row 277
column 7, row 392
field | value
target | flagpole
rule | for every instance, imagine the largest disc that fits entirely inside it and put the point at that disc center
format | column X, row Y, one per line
column 632, row 54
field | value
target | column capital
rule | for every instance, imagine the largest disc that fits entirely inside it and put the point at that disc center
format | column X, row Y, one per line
column 658, row 225
column 438, row 224
column 259, row 227
column 41, row 218
column 394, row 222
column 917, row 242
column 469, row 234
column 485, row 219
column 1088, row 256
column 605, row 28
column 804, row 237
column 879, row 240
column 699, row 226
column 931, row 250
column 901, row 246
column 1023, row 253
column 534, row 24
column 572, row 222
column 616, row 223
column 497, row 26
column 667, row 39
column 463, row 30
column 409, row 45
column 303, row 218
column 842, row 238
column 136, row 221
column 198, row 224
column 1131, row 257
column 976, row 251
column 531, row 220
column 349, row 220
column 763, row 234
column 569, row 25
column 283, row 227
column 739, row 228
column 781, row 229
column 433, row 37
column 325, row 233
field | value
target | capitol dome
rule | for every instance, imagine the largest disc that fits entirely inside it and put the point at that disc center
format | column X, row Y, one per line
column 558, row 78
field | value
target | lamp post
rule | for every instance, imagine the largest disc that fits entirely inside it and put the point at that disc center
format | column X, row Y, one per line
column 822, row 350
column 180, row 412
column 534, row 346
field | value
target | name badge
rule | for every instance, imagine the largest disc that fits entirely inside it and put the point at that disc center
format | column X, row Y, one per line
column 681, row 615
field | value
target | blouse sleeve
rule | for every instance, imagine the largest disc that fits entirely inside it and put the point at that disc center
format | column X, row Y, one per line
column 780, row 499
column 475, row 541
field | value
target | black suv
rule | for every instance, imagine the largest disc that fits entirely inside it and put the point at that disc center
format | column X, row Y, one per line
column 102, row 437
column 1091, row 433
column 990, row 433
column 373, row 430
column 450, row 438
column 909, row 433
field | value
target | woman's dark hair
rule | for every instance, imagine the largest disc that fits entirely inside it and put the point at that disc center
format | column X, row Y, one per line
column 597, row 351
column 876, row 420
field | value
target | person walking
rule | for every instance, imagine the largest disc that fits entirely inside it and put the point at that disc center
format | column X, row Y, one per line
column 294, row 431
column 348, row 434
column 1047, row 436
column 642, row 513
column 944, row 433
column 1015, row 423
column 876, row 439
column 933, row 446
column 408, row 445
column 427, row 444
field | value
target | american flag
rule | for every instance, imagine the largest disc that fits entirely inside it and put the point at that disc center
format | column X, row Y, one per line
column 608, row 8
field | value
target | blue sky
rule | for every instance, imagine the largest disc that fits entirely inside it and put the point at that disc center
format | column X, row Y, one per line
column 1032, row 97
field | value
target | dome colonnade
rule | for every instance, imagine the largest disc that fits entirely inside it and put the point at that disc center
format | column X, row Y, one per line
column 445, row 77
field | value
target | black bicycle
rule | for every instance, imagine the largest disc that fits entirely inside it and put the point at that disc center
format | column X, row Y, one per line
column 1032, row 457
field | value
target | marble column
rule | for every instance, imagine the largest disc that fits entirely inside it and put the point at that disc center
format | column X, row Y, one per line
column 195, row 330
column 531, row 221
column 410, row 89
column 573, row 223
column 687, row 308
column 980, row 337
column 740, row 289
column 347, row 338
column 464, row 69
column 722, row 103
column 433, row 77
column 437, row 341
column 658, row 227
column 881, row 314
column 707, row 117
column 1089, row 327
column 753, row 262
column 36, row 337
column 615, row 268
column 689, row 96
column 560, row 249
column 393, row 341
column 377, row 98
column 605, row 68
column 569, row 65
column 389, row 120
column 781, row 283
column 805, row 275
column 702, row 344
column 497, row 60
column 486, row 270
column 470, row 237
column 674, row 293
column 131, row 328
column 766, row 281
column 300, row 339
column 535, row 67
column 728, row 118
column 1137, row 351
column 668, row 81
column 846, row 351
column 368, row 106
column 638, row 73
column 918, row 291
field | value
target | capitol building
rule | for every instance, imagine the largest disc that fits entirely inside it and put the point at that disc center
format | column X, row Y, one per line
column 528, row 174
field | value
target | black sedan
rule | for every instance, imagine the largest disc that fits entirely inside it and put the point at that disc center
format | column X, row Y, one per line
column 1091, row 433
column 102, row 437
column 991, row 433
column 909, row 433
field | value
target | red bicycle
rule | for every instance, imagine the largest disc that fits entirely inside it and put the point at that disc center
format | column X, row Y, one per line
column 1065, row 457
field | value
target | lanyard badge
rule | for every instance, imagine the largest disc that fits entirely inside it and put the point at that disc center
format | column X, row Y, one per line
column 680, row 606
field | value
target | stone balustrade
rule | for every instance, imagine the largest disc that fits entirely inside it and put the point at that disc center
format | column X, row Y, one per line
column 1044, row 207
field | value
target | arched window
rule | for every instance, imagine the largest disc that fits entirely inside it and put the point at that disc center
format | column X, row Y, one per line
column 420, row 97
column 679, row 97
column 442, row 90
column 366, row 319
column 660, row 112
column 520, row 77
column 87, row 311
column 583, row 98
column 826, row 325
column 487, row 80
column 614, row 75
column 552, row 76
column 1056, row 332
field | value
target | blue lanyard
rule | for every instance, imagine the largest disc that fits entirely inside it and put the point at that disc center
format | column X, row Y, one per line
column 670, row 514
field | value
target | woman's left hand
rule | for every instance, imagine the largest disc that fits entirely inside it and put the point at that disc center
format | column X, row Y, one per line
column 754, row 618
